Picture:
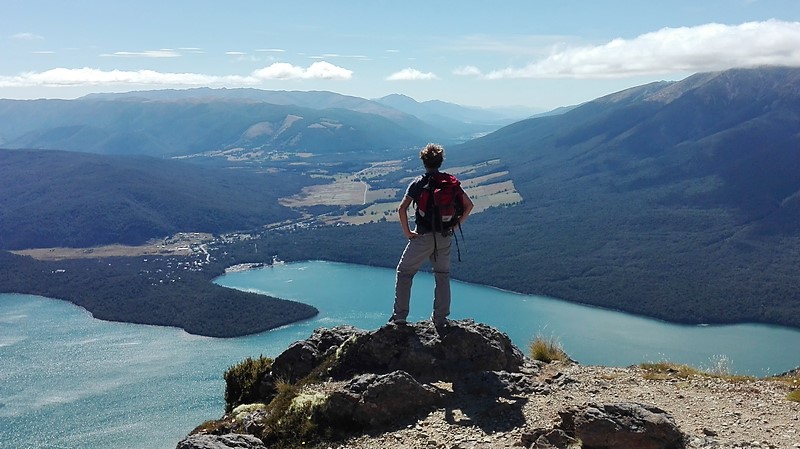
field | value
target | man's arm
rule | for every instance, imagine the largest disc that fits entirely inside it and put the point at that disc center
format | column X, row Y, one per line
column 402, row 212
column 468, row 205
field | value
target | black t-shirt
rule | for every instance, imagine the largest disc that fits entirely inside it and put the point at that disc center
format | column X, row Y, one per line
column 414, row 189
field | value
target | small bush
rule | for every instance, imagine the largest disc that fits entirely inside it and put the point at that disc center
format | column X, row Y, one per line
column 667, row 370
column 547, row 349
column 670, row 370
column 243, row 379
column 794, row 396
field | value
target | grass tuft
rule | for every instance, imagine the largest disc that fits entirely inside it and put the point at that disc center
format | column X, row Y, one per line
column 669, row 370
column 547, row 349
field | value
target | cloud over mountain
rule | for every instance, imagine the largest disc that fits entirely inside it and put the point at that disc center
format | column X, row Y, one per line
column 89, row 76
column 410, row 74
column 706, row 47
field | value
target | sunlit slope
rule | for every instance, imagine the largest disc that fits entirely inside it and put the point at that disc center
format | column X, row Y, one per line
column 679, row 200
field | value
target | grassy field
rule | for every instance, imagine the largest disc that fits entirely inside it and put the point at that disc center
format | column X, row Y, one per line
column 353, row 189
column 179, row 245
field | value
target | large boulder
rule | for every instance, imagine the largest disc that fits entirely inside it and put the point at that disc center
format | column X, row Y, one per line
column 374, row 400
column 303, row 356
column 429, row 353
column 621, row 425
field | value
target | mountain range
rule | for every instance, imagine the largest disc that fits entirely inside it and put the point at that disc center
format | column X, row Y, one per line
column 179, row 122
column 674, row 199
column 677, row 200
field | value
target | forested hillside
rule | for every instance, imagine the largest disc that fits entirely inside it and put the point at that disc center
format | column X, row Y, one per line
column 59, row 198
column 677, row 200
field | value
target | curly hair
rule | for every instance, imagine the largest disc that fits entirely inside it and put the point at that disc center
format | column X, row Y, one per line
column 432, row 155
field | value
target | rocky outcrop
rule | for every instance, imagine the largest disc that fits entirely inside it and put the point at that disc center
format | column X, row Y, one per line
column 344, row 379
column 229, row 441
column 610, row 426
column 343, row 382
column 428, row 353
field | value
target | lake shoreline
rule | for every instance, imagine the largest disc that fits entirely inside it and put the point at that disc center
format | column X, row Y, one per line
column 204, row 283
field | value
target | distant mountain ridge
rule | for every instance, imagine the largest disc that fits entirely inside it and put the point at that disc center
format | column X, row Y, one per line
column 179, row 122
column 303, row 99
column 178, row 127
column 456, row 119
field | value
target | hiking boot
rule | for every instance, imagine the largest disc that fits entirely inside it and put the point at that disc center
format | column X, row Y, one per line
column 440, row 324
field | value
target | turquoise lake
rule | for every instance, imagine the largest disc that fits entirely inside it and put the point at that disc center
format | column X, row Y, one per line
column 70, row 381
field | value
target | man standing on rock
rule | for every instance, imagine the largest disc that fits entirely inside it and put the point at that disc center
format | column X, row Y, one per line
column 440, row 206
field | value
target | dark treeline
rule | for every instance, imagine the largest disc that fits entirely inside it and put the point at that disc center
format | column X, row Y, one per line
column 694, row 286
column 699, row 283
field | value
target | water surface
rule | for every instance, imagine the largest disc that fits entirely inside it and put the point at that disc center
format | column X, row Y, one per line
column 70, row 381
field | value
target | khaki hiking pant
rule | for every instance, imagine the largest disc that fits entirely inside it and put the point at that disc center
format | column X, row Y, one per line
column 417, row 251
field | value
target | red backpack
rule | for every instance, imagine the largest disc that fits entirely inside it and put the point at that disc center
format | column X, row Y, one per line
column 440, row 205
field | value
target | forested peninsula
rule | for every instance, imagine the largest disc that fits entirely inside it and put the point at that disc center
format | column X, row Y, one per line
column 151, row 290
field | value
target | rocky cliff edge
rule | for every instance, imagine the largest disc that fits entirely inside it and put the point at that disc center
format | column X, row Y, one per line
column 467, row 386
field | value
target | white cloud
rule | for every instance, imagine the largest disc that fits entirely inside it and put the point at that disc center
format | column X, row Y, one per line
column 235, row 53
column 325, row 70
column 468, row 70
column 688, row 49
column 317, row 70
column 274, row 50
column 337, row 55
column 93, row 77
column 27, row 37
column 410, row 74
column 163, row 53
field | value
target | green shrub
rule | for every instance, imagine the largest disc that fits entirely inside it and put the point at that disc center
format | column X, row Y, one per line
column 243, row 379
column 667, row 370
column 794, row 396
column 547, row 349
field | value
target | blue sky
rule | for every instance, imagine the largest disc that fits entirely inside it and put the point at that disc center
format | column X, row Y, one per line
column 541, row 54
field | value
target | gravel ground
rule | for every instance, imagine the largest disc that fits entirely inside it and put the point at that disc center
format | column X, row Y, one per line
column 713, row 412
